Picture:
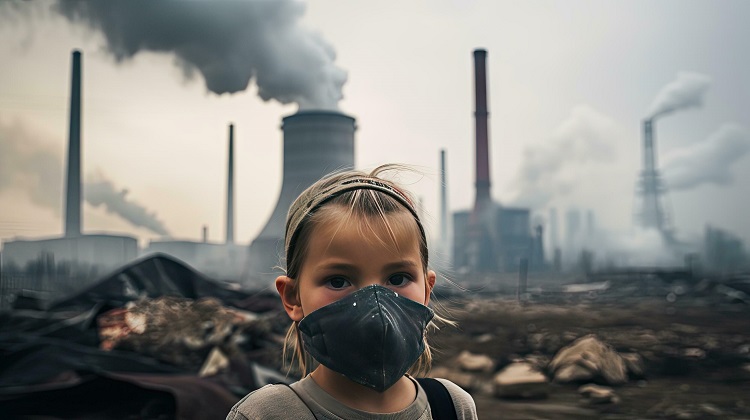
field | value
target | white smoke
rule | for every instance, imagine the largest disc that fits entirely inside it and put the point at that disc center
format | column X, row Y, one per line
column 32, row 166
column 554, row 168
column 687, row 91
column 707, row 162
column 228, row 42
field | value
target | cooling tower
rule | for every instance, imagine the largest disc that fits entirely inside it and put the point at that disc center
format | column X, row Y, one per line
column 315, row 143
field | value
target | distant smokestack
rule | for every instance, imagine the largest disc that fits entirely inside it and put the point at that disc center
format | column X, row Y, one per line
column 553, row 229
column 481, row 131
column 649, row 159
column 73, row 182
column 205, row 234
column 443, row 203
column 230, row 188
column 651, row 189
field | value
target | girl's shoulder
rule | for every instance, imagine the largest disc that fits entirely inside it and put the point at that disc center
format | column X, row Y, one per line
column 462, row 400
column 276, row 401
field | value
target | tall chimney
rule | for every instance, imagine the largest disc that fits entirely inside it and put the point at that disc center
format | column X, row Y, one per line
column 651, row 188
column 443, row 204
column 230, row 188
column 73, row 181
column 481, row 131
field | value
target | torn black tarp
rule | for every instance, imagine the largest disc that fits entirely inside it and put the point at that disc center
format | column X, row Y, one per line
column 151, row 276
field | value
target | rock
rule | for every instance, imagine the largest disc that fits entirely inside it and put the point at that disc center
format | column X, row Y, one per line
column 462, row 379
column 520, row 380
column 635, row 364
column 215, row 362
column 471, row 362
column 588, row 358
column 694, row 353
column 597, row 394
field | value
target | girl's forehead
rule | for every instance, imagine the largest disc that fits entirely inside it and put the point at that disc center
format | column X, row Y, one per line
column 395, row 228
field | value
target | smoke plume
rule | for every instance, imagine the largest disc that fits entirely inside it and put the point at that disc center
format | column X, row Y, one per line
column 227, row 42
column 553, row 168
column 30, row 165
column 707, row 162
column 687, row 91
column 101, row 191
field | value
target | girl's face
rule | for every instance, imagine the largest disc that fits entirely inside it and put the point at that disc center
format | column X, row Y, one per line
column 344, row 257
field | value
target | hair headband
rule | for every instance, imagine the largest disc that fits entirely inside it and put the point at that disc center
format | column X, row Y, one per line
column 352, row 185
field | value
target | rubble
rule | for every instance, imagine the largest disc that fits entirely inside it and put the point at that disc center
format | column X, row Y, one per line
column 520, row 380
column 586, row 359
column 470, row 362
column 597, row 394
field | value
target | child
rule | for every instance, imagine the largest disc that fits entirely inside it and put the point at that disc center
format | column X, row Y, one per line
column 356, row 287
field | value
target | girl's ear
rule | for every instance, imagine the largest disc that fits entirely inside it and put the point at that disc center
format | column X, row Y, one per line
column 289, row 297
column 428, row 285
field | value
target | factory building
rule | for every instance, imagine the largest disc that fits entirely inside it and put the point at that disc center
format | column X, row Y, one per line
column 491, row 237
column 79, row 255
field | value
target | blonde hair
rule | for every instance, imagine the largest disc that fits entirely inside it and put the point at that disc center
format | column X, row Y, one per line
column 367, row 198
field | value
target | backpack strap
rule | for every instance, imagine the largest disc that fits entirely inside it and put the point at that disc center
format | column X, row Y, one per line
column 441, row 402
column 298, row 396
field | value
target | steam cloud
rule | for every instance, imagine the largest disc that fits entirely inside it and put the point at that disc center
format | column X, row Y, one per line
column 32, row 166
column 687, row 91
column 551, row 169
column 707, row 162
column 227, row 42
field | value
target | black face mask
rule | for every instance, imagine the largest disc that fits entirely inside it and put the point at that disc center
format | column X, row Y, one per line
column 372, row 336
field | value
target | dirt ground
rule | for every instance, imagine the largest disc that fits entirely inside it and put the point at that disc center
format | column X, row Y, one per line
column 696, row 355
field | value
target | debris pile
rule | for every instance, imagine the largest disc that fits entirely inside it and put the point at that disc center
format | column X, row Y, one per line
column 154, row 339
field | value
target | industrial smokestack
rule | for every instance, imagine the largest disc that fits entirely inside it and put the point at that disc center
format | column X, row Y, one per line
column 316, row 143
column 651, row 189
column 443, row 203
column 481, row 131
column 230, row 188
column 73, row 181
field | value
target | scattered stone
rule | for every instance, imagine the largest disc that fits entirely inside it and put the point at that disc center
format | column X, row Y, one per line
column 694, row 353
column 471, row 362
column 597, row 394
column 520, row 380
column 588, row 358
column 462, row 379
column 711, row 409
column 635, row 365
column 484, row 338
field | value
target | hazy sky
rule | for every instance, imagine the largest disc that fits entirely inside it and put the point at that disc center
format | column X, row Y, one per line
column 569, row 84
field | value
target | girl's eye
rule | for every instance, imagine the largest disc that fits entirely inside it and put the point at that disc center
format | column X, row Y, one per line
column 399, row 279
column 338, row 283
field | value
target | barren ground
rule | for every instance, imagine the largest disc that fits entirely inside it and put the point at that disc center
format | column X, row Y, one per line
column 716, row 385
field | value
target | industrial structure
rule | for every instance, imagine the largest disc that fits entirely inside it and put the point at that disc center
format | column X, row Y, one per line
column 75, row 256
column 651, row 189
column 225, row 260
column 490, row 237
column 316, row 143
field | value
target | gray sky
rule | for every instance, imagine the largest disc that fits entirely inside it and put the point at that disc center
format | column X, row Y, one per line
column 569, row 84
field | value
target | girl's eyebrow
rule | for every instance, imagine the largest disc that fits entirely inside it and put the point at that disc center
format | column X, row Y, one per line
column 401, row 264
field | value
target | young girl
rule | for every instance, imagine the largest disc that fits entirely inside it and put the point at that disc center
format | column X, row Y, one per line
column 357, row 288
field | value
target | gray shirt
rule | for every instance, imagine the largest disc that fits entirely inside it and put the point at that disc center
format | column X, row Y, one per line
column 280, row 402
